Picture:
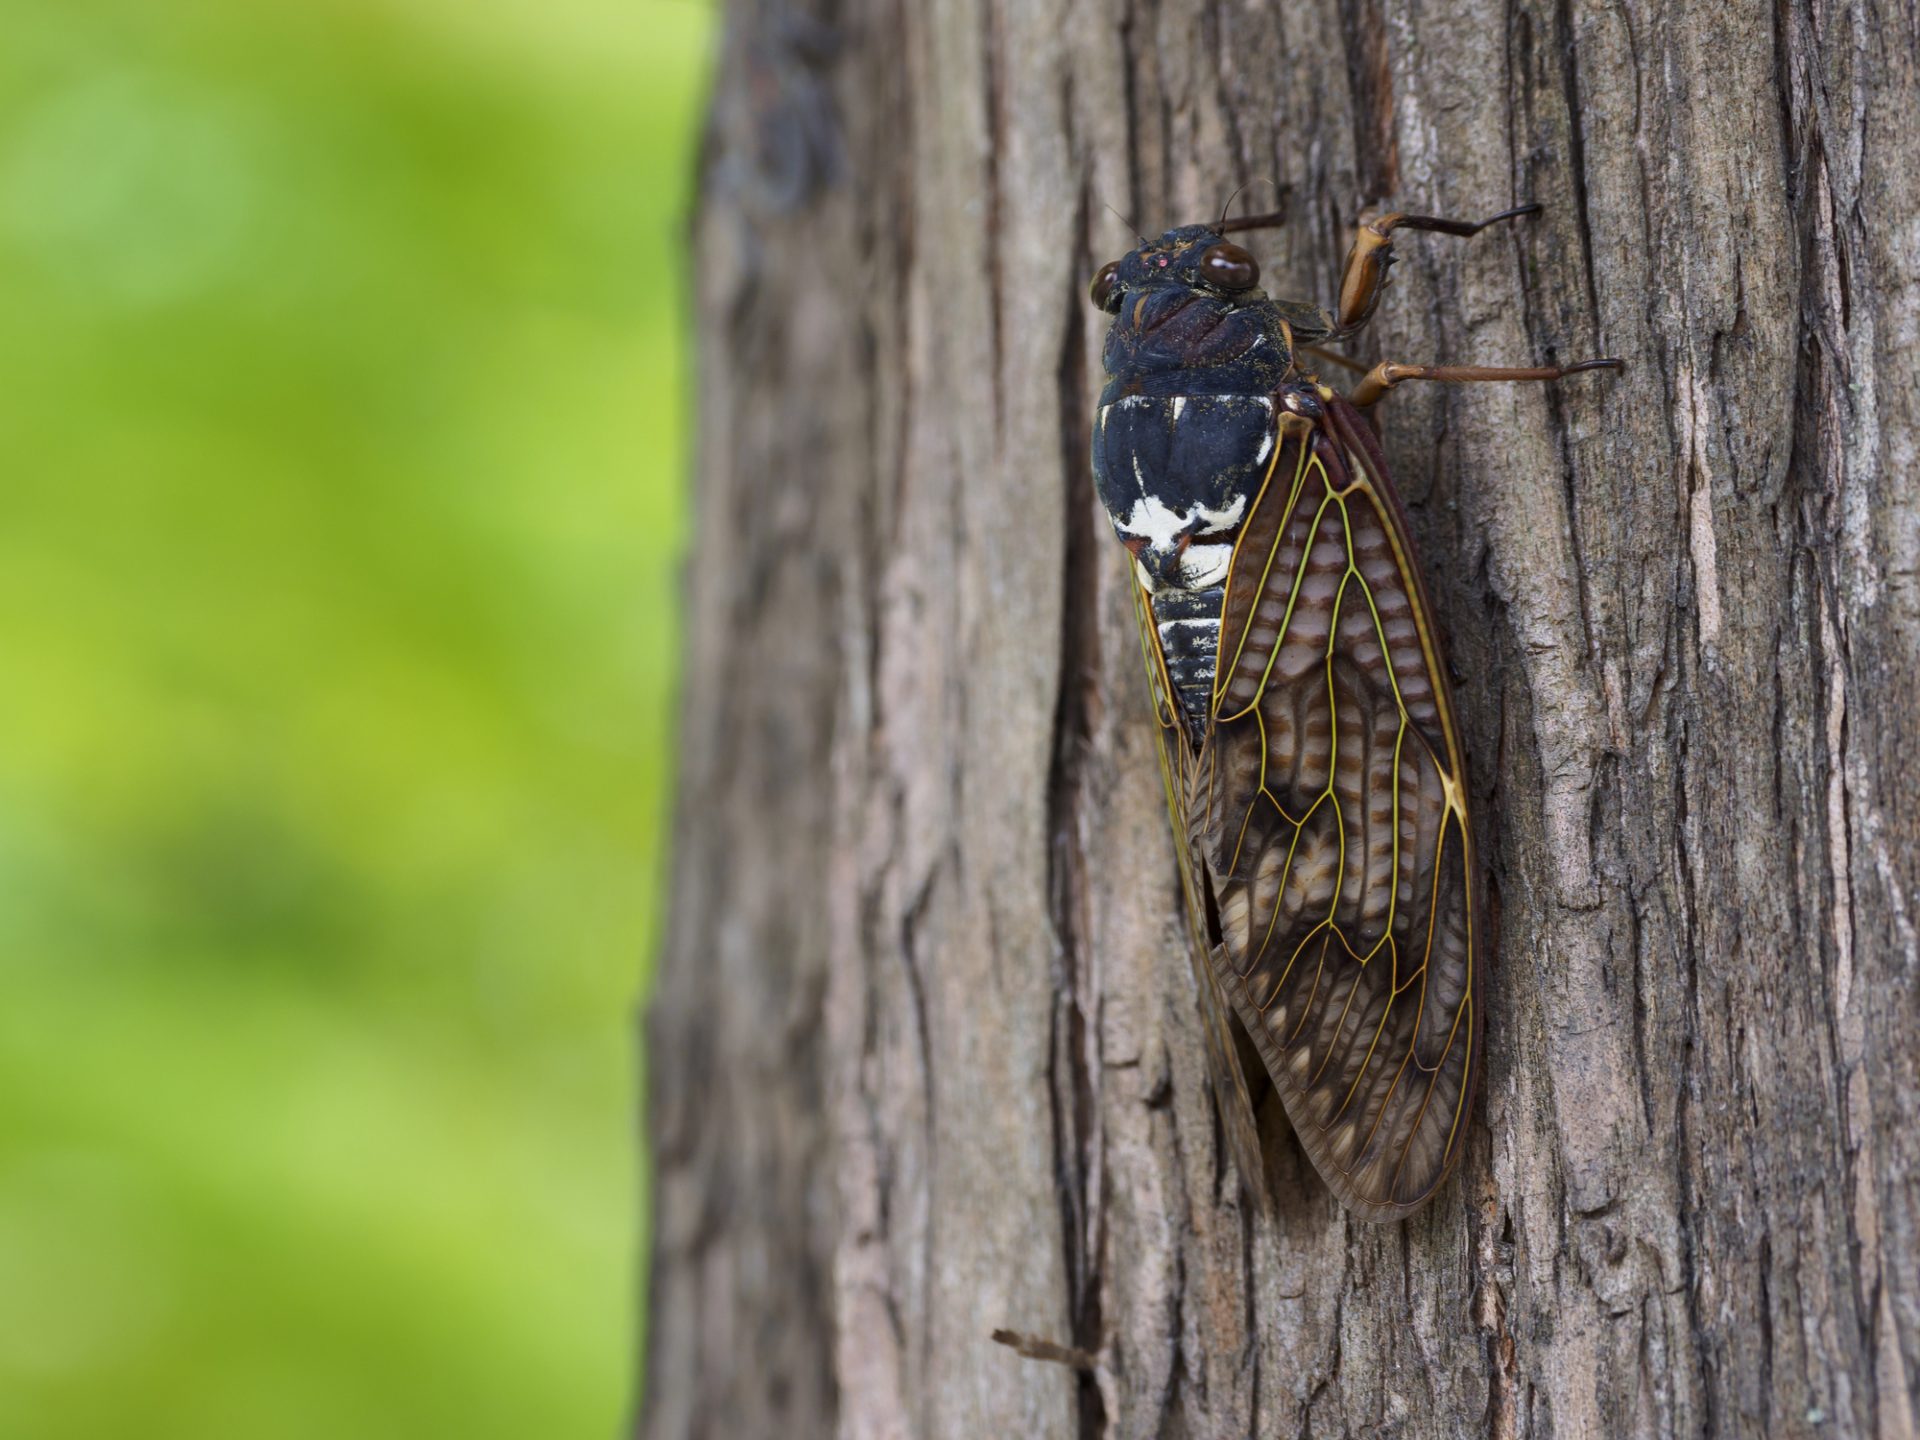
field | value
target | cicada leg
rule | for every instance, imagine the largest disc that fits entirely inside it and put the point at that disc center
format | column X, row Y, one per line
column 1365, row 273
column 1384, row 376
column 1334, row 357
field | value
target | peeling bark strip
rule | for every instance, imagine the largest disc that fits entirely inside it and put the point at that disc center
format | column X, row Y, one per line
column 924, row 1055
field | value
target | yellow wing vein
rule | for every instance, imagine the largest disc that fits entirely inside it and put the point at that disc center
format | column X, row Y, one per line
column 1223, row 673
column 1293, row 595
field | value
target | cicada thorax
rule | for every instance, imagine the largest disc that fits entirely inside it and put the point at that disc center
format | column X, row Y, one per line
column 1178, row 475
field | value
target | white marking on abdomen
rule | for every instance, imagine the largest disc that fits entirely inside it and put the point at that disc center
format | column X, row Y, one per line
column 1188, row 623
column 1215, row 520
column 1202, row 566
column 1151, row 521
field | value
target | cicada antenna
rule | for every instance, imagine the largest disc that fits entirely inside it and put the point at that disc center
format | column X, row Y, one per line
column 1129, row 224
column 1254, row 222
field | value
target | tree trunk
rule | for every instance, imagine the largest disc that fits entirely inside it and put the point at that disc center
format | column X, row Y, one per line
column 925, row 1057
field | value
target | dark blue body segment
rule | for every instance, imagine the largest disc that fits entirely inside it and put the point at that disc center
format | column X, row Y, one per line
column 1188, row 623
column 1198, row 455
column 1183, row 437
column 1175, row 341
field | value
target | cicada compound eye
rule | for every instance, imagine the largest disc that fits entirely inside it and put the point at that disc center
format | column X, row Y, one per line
column 1105, row 289
column 1229, row 267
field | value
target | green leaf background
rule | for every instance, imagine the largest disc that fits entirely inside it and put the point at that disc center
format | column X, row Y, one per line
column 341, row 471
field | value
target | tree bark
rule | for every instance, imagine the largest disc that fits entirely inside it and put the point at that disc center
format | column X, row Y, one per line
column 924, row 1052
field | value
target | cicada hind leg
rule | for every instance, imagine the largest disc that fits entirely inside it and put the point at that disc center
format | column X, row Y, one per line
column 1384, row 376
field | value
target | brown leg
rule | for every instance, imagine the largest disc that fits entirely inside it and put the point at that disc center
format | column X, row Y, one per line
column 1334, row 357
column 1384, row 376
column 1365, row 274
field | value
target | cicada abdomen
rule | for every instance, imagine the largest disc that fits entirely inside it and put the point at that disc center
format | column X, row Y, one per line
column 1313, row 765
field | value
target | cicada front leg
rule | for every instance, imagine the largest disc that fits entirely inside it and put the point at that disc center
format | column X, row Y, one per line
column 1365, row 274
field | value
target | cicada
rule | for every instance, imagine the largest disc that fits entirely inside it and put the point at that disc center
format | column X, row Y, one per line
column 1313, row 762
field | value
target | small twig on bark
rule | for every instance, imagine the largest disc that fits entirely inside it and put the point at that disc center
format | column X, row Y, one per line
column 1034, row 1348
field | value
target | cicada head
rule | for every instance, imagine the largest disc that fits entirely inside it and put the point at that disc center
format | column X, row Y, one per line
column 1190, row 305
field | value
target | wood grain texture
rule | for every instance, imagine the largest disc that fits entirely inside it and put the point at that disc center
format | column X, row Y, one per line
column 924, row 1052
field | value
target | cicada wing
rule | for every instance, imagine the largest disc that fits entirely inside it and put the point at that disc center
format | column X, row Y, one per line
column 1178, row 771
column 1329, row 811
column 1229, row 1079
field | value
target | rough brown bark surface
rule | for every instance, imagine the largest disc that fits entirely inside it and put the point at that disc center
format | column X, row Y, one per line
column 924, row 1051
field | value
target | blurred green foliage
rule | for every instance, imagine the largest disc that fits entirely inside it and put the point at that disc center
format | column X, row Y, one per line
column 341, row 425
